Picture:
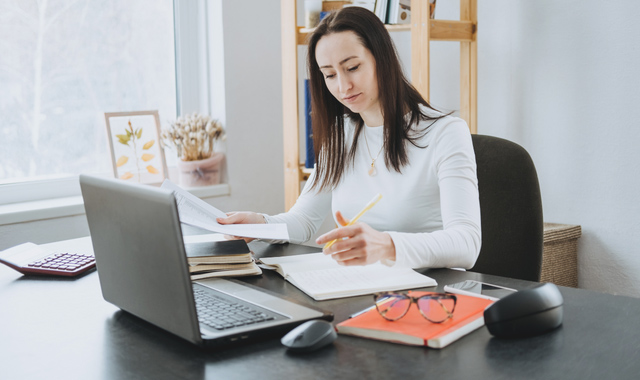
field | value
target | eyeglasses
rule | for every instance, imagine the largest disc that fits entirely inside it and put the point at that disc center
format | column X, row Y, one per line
column 435, row 307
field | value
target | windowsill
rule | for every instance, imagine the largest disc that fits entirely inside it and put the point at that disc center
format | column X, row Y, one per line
column 70, row 206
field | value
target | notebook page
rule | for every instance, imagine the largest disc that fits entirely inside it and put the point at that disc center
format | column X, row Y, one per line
column 300, row 263
column 357, row 280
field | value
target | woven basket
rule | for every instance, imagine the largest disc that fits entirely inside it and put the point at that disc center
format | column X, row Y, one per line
column 560, row 254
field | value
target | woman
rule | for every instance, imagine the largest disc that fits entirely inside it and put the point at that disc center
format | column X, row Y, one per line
column 374, row 133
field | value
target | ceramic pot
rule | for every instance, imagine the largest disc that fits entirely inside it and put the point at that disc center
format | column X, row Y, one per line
column 201, row 172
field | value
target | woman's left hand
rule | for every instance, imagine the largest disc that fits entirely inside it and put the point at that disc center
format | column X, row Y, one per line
column 358, row 244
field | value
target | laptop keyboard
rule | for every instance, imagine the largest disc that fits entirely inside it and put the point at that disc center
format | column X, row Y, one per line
column 221, row 313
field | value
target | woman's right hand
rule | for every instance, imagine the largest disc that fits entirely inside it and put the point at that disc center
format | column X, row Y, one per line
column 242, row 217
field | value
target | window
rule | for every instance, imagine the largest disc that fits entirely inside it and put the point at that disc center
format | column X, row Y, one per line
column 62, row 65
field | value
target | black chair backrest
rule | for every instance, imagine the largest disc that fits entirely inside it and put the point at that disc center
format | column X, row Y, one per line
column 511, row 210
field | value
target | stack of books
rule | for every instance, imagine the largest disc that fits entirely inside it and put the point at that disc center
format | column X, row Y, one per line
column 230, row 258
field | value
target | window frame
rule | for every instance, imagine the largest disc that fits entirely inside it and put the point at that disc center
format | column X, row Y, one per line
column 192, row 93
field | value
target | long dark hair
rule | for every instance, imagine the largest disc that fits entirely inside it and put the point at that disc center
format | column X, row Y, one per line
column 396, row 95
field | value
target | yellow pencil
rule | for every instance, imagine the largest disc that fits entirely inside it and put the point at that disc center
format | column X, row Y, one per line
column 355, row 218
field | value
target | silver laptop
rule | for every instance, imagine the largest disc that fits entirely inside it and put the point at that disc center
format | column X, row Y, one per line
column 142, row 266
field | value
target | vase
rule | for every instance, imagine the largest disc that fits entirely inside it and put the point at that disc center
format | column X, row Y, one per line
column 200, row 172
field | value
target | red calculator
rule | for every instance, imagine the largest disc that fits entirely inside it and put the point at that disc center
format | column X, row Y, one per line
column 30, row 258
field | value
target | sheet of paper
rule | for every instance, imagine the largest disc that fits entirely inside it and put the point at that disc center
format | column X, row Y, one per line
column 196, row 212
column 24, row 253
column 206, row 238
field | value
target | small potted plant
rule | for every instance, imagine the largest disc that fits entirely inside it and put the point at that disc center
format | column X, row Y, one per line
column 194, row 136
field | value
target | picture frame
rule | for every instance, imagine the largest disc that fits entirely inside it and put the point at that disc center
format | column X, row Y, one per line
column 134, row 142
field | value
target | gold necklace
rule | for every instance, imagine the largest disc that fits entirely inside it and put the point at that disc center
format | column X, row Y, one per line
column 372, row 171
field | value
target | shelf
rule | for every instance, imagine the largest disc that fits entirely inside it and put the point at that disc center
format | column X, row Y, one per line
column 440, row 30
column 305, row 172
column 423, row 31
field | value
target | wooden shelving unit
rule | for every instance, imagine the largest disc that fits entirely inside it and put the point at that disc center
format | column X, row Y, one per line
column 423, row 30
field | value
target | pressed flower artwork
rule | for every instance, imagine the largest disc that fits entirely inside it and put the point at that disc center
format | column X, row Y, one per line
column 136, row 152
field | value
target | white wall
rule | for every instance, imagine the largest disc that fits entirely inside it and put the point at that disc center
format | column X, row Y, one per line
column 561, row 78
column 253, row 106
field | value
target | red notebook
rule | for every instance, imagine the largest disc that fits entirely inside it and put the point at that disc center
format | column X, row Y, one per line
column 414, row 329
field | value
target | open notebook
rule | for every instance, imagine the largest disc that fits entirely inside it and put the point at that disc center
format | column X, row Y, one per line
column 322, row 278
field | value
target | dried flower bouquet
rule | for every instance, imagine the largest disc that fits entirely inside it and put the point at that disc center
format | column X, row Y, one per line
column 193, row 136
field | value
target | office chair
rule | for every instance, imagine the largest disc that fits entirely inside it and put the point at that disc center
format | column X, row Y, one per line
column 511, row 210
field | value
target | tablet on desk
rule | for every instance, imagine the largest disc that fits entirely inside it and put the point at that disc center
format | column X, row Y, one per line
column 29, row 258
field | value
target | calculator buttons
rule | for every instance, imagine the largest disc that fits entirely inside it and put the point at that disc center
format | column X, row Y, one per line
column 62, row 263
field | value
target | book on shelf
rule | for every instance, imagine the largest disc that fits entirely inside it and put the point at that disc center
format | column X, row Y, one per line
column 381, row 10
column 219, row 252
column 322, row 278
column 310, row 158
column 334, row 5
column 414, row 329
column 368, row 4
column 399, row 12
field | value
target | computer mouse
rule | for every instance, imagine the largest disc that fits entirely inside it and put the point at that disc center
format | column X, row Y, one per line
column 526, row 313
column 310, row 336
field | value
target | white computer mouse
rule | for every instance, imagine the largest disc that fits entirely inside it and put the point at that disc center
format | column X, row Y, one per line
column 310, row 336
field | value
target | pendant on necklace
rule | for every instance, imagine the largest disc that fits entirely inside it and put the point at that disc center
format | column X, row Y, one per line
column 372, row 170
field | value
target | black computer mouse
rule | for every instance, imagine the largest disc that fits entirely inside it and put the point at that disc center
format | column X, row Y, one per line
column 526, row 313
column 310, row 336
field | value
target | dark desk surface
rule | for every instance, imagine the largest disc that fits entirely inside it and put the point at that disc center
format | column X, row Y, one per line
column 62, row 328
